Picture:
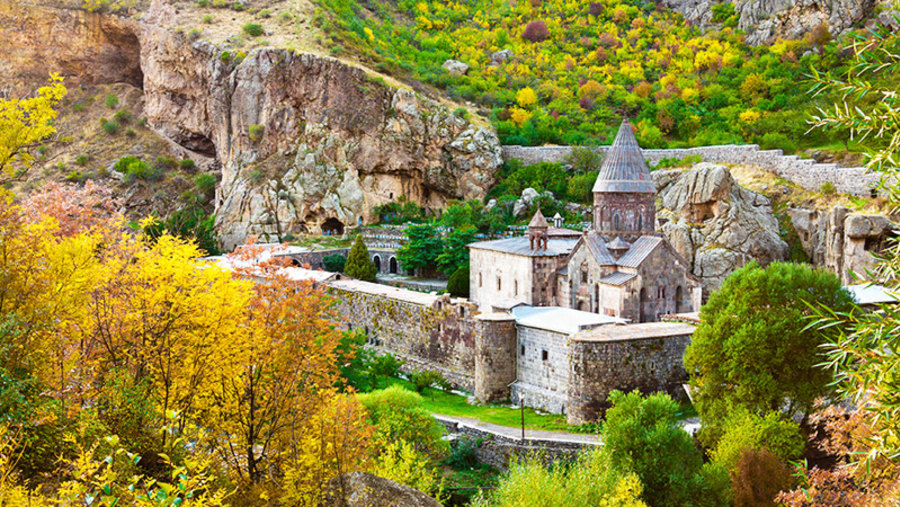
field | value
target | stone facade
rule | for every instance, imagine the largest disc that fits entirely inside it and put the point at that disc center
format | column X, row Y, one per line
column 627, row 215
column 647, row 357
column 542, row 364
column 385, row 261
column 805, row 172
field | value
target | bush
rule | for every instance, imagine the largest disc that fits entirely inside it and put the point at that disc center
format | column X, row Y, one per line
column 206, row 19
column 758, row 477
column 744, row 430
column 827, row 188
column 253, row 29
column 582, row 159
column 423, row 379
column 400, row 415
column 135, row 168
column 194, row 34
column 110, row 127
column 334, row 263
column 81, row 160
column 187, row 165
column 385, row 365
column 458, row 285
column 112, row 101
column 122, row 116
column 256, row 133
column 462, row 456
column 536, row 31
column 777, row 141
column 205, row 183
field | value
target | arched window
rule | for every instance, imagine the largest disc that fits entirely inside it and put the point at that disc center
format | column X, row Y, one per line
column 479, row 279
column 616, row 221
column 597, row 298
column 393, row 265
column 679, row 296
column 377, row 261
column 640, row 221
column 584, row 273
column 515, row 287
column 498, row 283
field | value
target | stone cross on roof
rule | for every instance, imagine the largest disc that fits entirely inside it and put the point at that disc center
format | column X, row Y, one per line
column 624, row 169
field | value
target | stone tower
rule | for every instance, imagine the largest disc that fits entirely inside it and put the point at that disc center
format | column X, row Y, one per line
column 537, row 232
column 624, row 194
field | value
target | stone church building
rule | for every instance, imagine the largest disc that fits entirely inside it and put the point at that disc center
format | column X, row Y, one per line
column 621, row 267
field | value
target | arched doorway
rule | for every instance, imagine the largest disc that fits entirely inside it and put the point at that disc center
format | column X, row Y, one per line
column 332, row 227
column 393, row 265
column 377, row 261
column 679, row 303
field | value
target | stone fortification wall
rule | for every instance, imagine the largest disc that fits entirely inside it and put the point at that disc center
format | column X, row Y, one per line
column 500, row 450
column 495, row 360
column 381, row 258
column 648, row 364
column 543, row 370
column 429, row 332
column 805, row 172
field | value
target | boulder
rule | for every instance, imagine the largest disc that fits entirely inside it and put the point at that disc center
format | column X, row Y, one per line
column 529, row 195
column 359, row 489
column 519, row 208
column 455, row 67
column 501, row 57
column 715, row 224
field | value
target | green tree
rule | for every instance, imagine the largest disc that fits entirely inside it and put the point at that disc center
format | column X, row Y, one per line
column 458, row 285
column 422, row 248
column 334, row 263
column 642, row 435
column 455, row 254
column 359, row 264
column 753, row 349
column 744, row 430
column 400, row 415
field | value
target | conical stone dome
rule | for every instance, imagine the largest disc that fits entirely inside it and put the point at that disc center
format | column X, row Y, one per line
column 624, row 169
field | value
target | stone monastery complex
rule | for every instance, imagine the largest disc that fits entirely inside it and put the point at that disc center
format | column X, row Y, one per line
column 557, row 318
column 622, row 267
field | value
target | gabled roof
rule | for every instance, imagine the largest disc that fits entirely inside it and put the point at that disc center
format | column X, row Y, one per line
column 521, row 246
column 618, row 278
column 618, row 244
column 598, row 249
column 538, row 220
column 639, row 251
column 624, row 169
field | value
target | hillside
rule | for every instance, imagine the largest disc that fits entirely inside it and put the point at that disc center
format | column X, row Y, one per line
column 557, row 71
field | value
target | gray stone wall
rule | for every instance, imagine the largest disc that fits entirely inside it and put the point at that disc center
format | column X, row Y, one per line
column 599, row 367
column 542, row 376
column 805, row 172
column 495, row 355
column 437, row 335
column 381, row 258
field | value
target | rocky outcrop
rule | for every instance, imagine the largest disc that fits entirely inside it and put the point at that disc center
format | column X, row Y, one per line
column 359, row 489
column 303, row 139
column 768, row 20
column 844, row 243
column 299, row 139
column 716, row 225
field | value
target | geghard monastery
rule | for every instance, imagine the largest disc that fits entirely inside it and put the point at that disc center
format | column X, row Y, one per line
column 622, row 267
column 557, row 318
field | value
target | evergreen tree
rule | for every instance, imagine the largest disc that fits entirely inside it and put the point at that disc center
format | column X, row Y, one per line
column 458, row 285
column 359, row 265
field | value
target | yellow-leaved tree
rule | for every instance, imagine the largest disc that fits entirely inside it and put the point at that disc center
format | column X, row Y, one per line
column 24, row 123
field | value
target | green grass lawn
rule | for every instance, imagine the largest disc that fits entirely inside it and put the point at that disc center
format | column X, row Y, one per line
column 440, row 402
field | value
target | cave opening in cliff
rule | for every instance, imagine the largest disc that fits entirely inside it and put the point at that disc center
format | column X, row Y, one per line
column 129, row 47
column 333, row 227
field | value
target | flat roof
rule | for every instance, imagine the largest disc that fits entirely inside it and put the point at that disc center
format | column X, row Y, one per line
column 521, row 246
column 405, row 295
column 871, row 293
column 294, row 273
column 560, row 320
column 641, row 331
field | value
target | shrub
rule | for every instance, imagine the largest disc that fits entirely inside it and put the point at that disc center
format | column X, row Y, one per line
column 82, row 160
column 253, row 29
column 744, row 430
column 130, row 133
column 135, row 168
column 205, row 183
column 400, row 415
column 206, row 19
column 256, row 176
column 462, row 456
column 827, row 188
column 265, row 13
column 385, row 365
column 187, row 165
column 777, row 141
column 595, row 9
column 461, row 112
column 78, row 107
column 112, row 101
column 122, row 116
column 758, row 477
column 194, row 34
column 256, row 133
column 334, row 263
column 423, row 379
column 582, row 159
column 110, row 127
column 164, row 162
column 458, row 285
column 203, row 3
column 74, row 176
column 536, row 31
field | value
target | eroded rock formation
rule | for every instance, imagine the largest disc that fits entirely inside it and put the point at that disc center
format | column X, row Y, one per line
column 359, row 489
column 768, row 20
column 843, row 242
column 300, row 139
column 714, row 223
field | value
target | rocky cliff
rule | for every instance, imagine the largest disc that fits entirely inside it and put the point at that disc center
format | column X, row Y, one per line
column 714, row 223
column 298, row 139
column 768, row 20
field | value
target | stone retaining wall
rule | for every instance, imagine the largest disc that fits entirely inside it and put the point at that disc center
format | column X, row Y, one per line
column 499, row 450
column 805, row 172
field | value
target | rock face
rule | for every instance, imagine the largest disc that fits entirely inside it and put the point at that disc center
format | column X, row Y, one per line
column 455, row 67
column 716, row 225
column 360, row 489
column 768, row 20
column 842, row 242
column 300, row 139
